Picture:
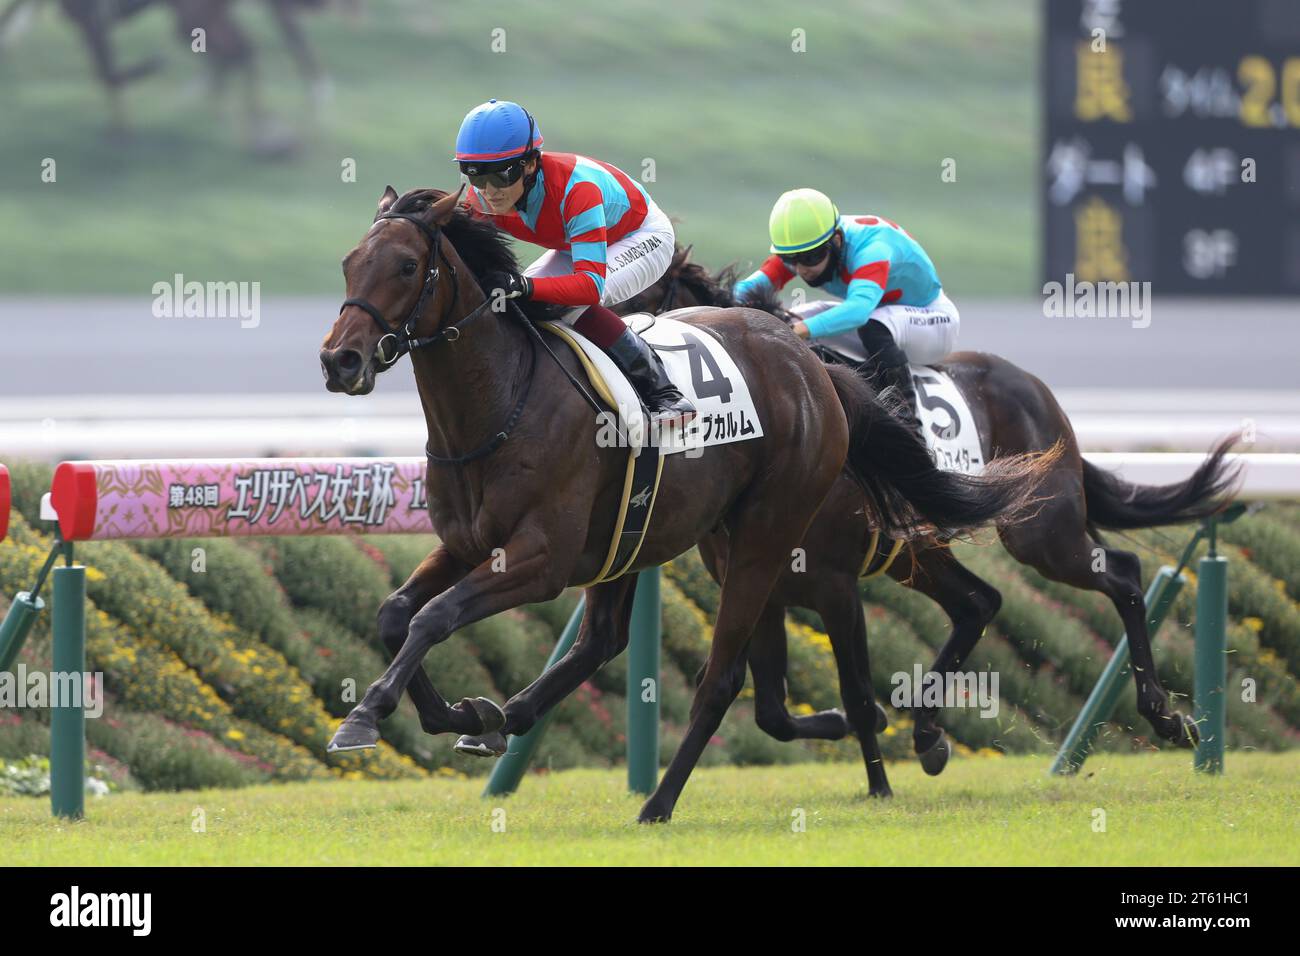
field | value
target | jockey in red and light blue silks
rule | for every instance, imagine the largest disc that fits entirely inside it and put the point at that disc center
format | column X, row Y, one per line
column 888, row 289
column 608, row 240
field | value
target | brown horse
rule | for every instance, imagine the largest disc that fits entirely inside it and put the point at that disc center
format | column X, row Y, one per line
column 524, row 499
column 1015, row 414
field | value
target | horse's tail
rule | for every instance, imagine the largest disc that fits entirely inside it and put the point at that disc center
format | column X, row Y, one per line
column 1116, row 504
column 893, row 466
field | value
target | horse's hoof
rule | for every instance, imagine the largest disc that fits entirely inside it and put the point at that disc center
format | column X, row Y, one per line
column 491, row 717
column 884, row 793
column 488, row 745
column 653, row 813
column 882, row 719
column 353, row 734
column 936, row 758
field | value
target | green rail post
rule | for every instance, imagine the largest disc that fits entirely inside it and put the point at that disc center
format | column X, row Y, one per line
column 1211, row 658
column 67, row 717
column 23, row 611
column 1165, row 588
column 17, row 625
column 512, row 766
column 643, row 685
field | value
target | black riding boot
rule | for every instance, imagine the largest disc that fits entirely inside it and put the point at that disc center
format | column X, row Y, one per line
column 888, row 366
column 645, row 370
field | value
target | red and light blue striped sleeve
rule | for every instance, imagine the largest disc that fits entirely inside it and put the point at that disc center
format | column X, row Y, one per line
column 583, row 210
column 866, row 287
column 773, row 272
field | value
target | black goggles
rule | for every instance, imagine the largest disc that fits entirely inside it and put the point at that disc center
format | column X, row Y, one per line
column 503, row 174
column 499, row 176
column 809, row 257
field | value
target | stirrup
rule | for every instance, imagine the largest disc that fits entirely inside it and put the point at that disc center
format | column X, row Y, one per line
column 678, row 413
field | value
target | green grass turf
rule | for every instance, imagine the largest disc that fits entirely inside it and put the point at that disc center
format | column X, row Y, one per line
column 712, row 93
column 979, row 812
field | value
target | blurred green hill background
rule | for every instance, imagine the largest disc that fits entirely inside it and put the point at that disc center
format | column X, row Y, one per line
column 712, row 93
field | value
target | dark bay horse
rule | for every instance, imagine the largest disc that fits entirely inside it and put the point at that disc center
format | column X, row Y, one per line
column 1015, row 414
column 524, row 499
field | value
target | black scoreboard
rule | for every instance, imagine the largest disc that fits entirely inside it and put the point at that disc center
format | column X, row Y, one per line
column 1171, row 149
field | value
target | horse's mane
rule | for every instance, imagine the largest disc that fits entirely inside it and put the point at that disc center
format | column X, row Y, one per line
column 706, row 288
column 716, row 288
column 765, row 298
column 481, row 245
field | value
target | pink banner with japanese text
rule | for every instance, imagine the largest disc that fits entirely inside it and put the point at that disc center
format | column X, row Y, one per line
column 230, row 497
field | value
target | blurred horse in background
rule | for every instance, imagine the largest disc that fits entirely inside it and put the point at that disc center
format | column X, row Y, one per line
column 229, row 49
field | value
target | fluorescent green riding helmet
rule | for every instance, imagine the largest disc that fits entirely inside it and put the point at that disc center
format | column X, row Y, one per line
column 801, row 219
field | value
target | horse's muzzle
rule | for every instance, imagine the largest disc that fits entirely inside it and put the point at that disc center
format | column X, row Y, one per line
column 345, row 370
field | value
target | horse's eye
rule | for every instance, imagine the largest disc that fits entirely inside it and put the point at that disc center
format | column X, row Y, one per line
column 408, row 267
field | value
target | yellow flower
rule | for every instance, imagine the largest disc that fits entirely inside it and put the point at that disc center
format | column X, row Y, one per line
column 234, row 734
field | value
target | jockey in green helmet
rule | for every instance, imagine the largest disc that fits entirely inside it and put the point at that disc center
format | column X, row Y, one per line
column 887, row 289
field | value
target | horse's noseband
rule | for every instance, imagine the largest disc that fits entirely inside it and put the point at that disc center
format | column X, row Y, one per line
column 403, row 339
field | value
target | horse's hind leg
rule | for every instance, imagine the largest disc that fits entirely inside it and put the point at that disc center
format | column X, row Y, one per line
column 970, row 603
column 1056, row 542
column 840, row 607
column 767, row 662
column 601, row 637
column 768, row 527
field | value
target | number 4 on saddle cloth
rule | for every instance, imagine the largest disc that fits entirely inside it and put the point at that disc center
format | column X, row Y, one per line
column 946, row 418
column 700, row 367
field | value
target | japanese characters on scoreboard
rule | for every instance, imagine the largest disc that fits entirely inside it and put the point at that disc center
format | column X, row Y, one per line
column 1171, row 151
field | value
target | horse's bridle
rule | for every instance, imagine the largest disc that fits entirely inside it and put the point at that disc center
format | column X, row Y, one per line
column 405, row 340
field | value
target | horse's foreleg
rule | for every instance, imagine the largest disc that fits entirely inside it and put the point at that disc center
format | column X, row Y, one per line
column 435, row 574
column 524, row 573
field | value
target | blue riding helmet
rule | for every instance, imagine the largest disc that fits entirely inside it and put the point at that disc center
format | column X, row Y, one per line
column 496, row 131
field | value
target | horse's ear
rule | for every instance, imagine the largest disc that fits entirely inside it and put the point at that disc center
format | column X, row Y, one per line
column 386, row 200
column 441, row 211
column 686, row 256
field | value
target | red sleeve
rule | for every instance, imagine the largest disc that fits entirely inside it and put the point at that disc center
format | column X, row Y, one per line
column 777, row 272
column 583, row 209
column 576, row 289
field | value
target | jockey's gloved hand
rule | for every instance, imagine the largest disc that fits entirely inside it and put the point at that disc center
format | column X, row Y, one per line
column 512, row 285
